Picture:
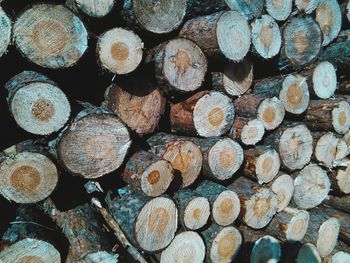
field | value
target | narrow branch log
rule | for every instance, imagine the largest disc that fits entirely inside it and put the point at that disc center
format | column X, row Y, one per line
column 279, row 9
column 247, row 8
column 262, row 164
column 329, row 17
column 307, row 6
column 93, row 145
column 283, row 187
column 58, row 39
column 223, row 32
column 222, row 243
column 235, row 78
column 186, row 246
column 258, row 205
column 140, row 112
column 302, row 40
column 266, row 37
column 194, row 209
column 5, row 32
column 225, row 203
column 119, row 50
column 271, row 113
column 148, row 173
column 205, row 113
column 248, row 131
column 180, row 65
column 148, row 223
column 159, row 17
column 184, row 155
column 93, row 8
column 36, row 103
column 312, row 186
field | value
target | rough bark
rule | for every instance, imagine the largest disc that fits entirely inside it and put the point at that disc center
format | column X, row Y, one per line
column 249, row 9
column 338, row 202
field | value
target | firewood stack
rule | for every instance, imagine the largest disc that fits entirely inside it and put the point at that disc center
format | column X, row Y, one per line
column 210, row 162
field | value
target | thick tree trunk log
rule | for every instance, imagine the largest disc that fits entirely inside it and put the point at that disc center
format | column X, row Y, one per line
column 148, row 223
column 323, row 231
column 180, row 65
column 289, row 225
column 222, row 243
column 326, row 115
column 184, row 155
column 329, row 17
column 82, row 227
column 225, row 203
column 194, row 209
column 141, row 112
column 340, row 203
column 279, row 9
column 222, row 157
column 247, row 130
column 262, row 164
column 249, row 9
column 95, row 144
column 205, row 113
column 119, row 50
column 148, row 173
column 294, row 143
column 307, row 6
column 157, row 17
column 5, row 32
column 93, row 8
column 258, row 205
column 283, row 187
column 302, row 40
column 234, row 78
column 266, row 37
column 26, row 174
column 223, row 32
column 308, row 253
column 312, row 186
column 36, row 103
column 58, row 38
column 186, row 246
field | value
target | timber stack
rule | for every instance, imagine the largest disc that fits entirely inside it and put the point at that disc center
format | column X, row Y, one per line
column 223, row 134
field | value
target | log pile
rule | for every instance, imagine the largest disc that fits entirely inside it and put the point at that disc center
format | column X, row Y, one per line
column 222, row 134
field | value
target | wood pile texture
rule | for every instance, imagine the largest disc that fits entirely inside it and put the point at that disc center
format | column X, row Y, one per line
column 175, row 131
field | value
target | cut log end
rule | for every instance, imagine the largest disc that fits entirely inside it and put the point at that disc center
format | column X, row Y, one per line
column 233, row 35
column 183, row 64
column 225, row 158
column 266, row 249
column 252, row 132
column 120, row 50
column 307, row 6
column 279, row 9
column 308, row 253
column 340, row 257
column 324, row 80
column 160, row 17
column 156, row 224
column 40, row 108
column 295, row 94
column 56, row 39
column 312, row 186
column 226, row 208
column 328, row 236
column 341, row 180
column 186, row 247
column 266, row 36
column 296, row 147
column 225, row 245
column 30, row 250
column 101, row 257
column 5, row 32
column 329, row 17
column 341, row 117
column 267, row 166
column 236, row 78
column 260, row 209
column 213, row 114
column 27, row 177
column 297, row 227
column 95, row 8
column 283, row 187
column 271, row 113
column 197, row 213
column 84, row 153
